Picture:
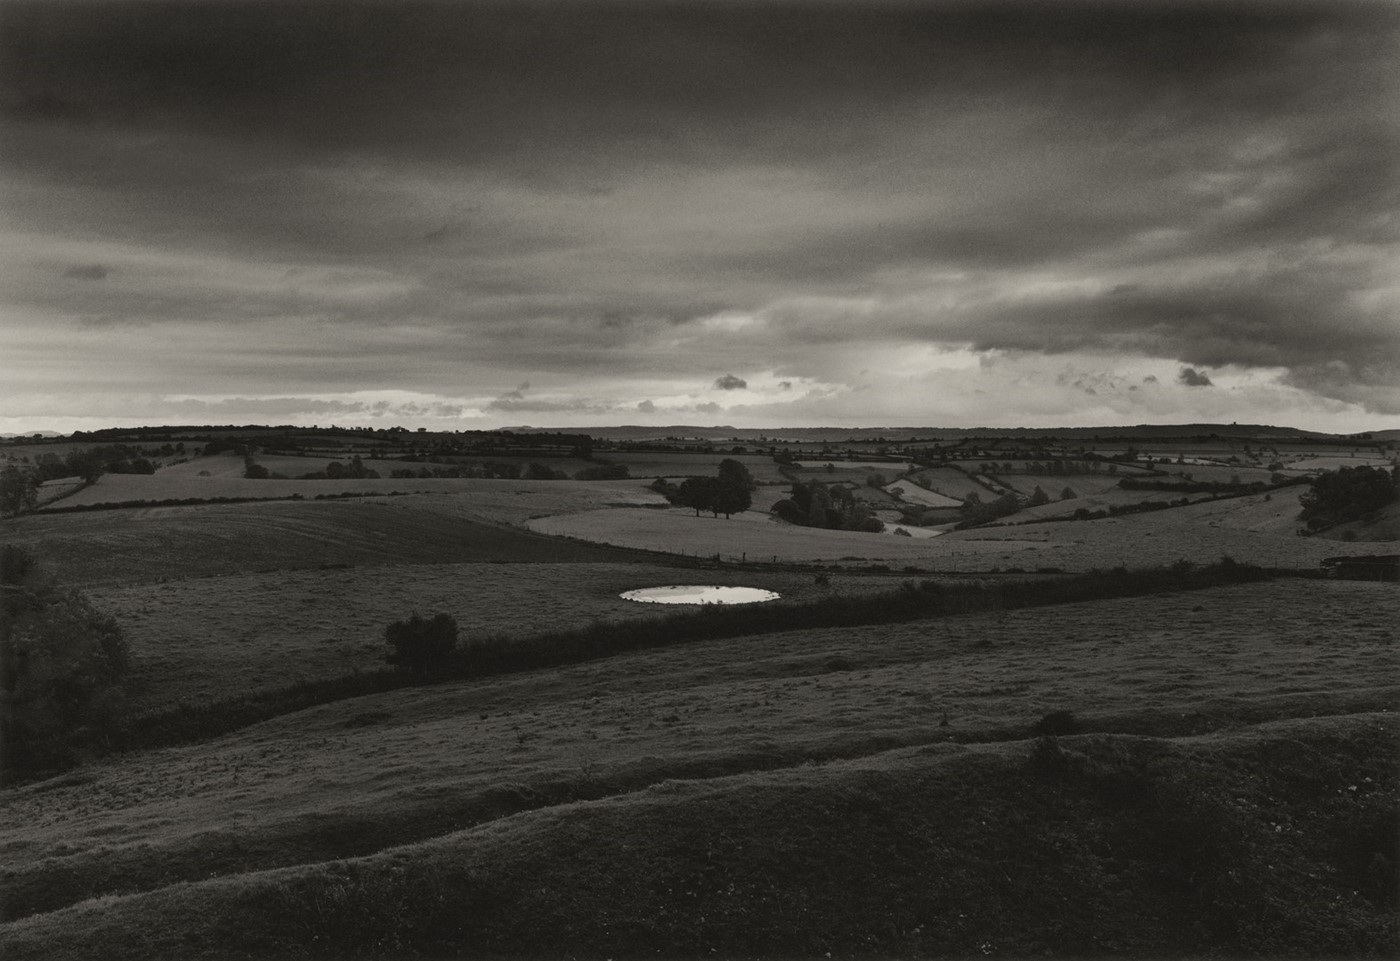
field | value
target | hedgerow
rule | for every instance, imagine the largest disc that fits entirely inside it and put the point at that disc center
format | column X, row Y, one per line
column 503, row 654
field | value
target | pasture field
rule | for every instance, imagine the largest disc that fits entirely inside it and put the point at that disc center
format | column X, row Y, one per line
column 912, row 493
column 1222, row 787
column 174, row 484
column 949, row 482
column 1250, row 529
column 236, row 840
column 1085, row 485
column 56, row 489
column 145, row 544
column 1096, row 502
column 1217, row 473
column 202, row 639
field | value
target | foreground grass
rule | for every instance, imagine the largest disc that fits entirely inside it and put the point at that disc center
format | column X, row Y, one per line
column 352, row 778
column 1260, row 842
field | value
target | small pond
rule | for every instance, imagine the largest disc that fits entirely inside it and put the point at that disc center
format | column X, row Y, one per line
column 699, row 594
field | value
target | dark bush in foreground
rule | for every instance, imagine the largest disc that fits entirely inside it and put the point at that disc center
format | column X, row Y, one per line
column 1056, row 724
column 62, row 667
column 421, row 644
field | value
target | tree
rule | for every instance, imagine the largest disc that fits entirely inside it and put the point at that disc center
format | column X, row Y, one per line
column 62, row 664
column 1039, row 497
column 1348, row 494
column 735, row 474
column 17, row 493
column 1068, row 494
column 422, row 645
column 730, row 499
column 537, row 471
column 698, row 493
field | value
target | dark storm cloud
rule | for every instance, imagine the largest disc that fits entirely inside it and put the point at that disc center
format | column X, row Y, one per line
column 730, row 382
column 699, row 82
column 577, row 187
column 1191, row 377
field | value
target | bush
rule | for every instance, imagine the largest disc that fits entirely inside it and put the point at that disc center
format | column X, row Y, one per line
column 62, row 666
column 422, row 645
column 1056, row 724
column 1348, row 494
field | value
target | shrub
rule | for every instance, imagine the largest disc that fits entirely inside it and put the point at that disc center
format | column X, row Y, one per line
column 62, row 666
column 1056, row 724
column 421, row 645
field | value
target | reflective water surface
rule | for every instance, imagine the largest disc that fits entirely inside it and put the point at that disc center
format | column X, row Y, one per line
column 699, row 594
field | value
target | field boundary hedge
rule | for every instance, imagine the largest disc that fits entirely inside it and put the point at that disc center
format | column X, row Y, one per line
column 196, row 501
column 503, row 654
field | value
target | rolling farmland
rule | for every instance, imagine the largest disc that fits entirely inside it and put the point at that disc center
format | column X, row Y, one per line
column 330, row 825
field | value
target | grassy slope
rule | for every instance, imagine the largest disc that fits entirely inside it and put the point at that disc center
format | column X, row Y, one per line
column 1253, row 842
column 123, row 546
column 349, row 779
column 202, row 638
column 182, row 482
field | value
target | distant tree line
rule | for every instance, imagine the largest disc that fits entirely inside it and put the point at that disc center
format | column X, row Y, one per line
column 511, row 470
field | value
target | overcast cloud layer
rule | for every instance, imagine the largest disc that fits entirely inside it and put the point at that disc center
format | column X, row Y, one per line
column 466, row 215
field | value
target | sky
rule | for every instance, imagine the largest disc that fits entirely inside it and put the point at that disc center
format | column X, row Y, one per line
column 465, row 215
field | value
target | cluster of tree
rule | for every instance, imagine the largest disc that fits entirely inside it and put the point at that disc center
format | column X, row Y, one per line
column 832, row 507
column 335, row 470
column 19, row 486
column 420, row 644
column 92, row 462
column 729, row 492
column 974, row 511
column 1348, row 494
column 62, row 665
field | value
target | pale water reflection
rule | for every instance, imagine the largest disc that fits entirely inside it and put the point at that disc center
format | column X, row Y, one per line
column 700, row 594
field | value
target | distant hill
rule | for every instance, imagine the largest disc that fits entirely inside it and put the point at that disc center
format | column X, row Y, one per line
column 1140, row 432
